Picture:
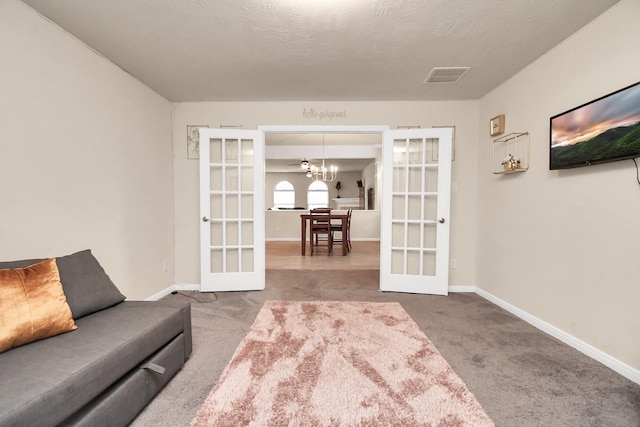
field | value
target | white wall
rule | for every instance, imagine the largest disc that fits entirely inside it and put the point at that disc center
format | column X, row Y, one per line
column 563, row 245
column 85, row 156
column 250, row 115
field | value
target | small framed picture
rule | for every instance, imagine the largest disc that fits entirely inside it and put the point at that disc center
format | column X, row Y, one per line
column 496, row 125
column 193, row 141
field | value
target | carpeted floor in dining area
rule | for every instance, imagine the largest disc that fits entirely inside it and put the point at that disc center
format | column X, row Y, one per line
column 521, row 376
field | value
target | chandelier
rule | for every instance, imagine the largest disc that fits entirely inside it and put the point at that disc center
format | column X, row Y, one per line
column 321, row 173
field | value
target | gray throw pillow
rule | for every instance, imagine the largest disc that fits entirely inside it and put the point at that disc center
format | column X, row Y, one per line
column 86, row 285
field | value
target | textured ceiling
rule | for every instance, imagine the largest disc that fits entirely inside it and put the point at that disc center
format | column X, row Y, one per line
column 260, row 50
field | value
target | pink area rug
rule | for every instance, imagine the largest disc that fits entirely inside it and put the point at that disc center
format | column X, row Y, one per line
column 338, row 364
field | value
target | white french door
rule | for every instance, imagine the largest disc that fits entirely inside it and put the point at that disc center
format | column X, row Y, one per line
column 416, row 184
column 231, row 210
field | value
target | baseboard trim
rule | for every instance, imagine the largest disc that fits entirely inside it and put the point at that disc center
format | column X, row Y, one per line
column 598, row 355
column 177, row 287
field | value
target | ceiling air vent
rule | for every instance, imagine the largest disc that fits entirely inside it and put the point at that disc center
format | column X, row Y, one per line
column 445, row 74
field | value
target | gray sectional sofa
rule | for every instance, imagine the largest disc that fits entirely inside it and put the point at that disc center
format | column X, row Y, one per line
column 104, row 372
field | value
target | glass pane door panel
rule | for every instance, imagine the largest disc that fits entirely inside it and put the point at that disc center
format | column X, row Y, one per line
column 246, row 181
column 215, row 181
column 431, row 180
column 247, row 206
column 216, row 233
column 215, row 155
column 431, row 154
column 231, row 206
column 216, row 206
column 247, row 233
column 397, row 235
column 399, row 180
column 247, row 260
column 397, row 210
column 216, row 261
column 413, row 235
column 231, row 151
column 415, row 151
column 430, row 234
column 231, row 179
column 399, row 152
column 430, row 208
column 232, row 260
column 415, row 179
column 232, row 233
column 429, row 263
column 414, row 207
column 397, row 261
column 247, row 152
column 413, row 263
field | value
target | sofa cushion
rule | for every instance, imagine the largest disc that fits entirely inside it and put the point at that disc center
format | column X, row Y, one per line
column 52, row 379
column 32, row 305
column 86, row 285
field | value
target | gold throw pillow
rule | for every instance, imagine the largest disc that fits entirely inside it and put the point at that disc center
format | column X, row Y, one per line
column 32, row 305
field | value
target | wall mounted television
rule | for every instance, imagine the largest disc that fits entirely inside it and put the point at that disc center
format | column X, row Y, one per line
column 603, row 130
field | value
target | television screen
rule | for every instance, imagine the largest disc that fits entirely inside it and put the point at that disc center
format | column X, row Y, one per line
column 603, row 130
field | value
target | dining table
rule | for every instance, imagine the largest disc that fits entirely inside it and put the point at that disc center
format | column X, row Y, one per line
column 343, row 216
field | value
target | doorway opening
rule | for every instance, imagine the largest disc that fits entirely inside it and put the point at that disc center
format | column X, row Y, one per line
column 290, row 152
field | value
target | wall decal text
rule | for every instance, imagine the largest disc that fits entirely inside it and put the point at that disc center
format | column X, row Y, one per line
column 312, row 113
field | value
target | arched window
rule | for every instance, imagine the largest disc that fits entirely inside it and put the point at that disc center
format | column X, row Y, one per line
column 318, row 195
column 284, row 195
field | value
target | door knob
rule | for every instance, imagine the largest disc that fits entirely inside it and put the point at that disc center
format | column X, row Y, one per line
column 441, row 220
column 205, row 219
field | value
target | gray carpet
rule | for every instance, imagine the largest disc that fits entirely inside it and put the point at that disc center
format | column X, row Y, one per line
column 521, row 376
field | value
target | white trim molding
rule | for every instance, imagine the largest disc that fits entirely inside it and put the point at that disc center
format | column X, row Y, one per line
column 177, row 287
column 602, row 357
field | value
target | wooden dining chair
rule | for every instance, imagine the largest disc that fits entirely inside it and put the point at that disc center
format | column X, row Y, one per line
column 337, row 227
column 320, row 228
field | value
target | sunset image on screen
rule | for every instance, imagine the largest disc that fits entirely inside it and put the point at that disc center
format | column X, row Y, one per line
column 603, row 130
